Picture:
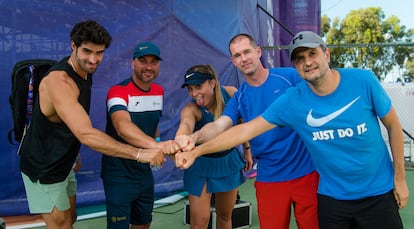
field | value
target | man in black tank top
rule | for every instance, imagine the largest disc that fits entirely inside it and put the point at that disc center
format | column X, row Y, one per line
column 61, row 123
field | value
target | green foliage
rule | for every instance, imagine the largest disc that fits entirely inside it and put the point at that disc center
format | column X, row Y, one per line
column 366, row 39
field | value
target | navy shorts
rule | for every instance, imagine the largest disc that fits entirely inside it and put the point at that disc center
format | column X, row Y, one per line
column 379, row 212
column 129, row 202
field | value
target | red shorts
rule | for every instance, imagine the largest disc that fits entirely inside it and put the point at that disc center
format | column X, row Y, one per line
column 275, row 199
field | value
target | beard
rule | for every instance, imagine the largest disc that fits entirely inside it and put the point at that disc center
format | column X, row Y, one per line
column 83, row 65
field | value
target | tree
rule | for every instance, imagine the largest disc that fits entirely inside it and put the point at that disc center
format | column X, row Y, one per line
column 409, row 65
column 365, row 39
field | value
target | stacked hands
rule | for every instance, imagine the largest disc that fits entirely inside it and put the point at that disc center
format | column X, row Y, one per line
column 185, row 157
column 177, row 150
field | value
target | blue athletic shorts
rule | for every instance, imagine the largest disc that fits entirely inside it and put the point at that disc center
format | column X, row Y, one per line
column 220, row 174
column 129, row 202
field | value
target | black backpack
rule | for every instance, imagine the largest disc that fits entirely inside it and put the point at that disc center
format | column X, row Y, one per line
column 22, row 72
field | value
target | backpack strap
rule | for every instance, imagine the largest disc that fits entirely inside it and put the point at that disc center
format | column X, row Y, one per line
column 29, row 109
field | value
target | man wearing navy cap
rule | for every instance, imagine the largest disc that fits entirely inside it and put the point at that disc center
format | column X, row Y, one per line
column 146, row 48
column 134, row 108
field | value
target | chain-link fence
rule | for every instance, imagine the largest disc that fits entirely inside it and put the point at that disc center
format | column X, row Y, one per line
column 402, row 96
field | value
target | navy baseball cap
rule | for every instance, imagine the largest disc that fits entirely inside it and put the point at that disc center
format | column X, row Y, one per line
column 146, row 48
column 195, row 78
column 306, row 39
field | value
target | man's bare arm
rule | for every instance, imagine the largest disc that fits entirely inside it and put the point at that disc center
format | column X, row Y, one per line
column 226, row 140
column 212, row 129
column 59, row 102
column 128, row 131
column 396, row 139
column 188, row 141
column 133, row 135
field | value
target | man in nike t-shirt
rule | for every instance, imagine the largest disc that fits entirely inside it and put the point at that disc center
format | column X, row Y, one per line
column 336, row 111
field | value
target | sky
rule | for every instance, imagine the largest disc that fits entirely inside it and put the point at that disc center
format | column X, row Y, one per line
column 400, row 8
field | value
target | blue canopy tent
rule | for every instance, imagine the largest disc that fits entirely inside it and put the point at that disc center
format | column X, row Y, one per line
column 188, row 33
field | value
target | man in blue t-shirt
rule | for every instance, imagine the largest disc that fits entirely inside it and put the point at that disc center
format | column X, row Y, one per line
column 285, row 174
column 336, row 111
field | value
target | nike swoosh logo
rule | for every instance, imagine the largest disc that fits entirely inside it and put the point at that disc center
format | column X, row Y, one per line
column 318, row 122
column 189, row 75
